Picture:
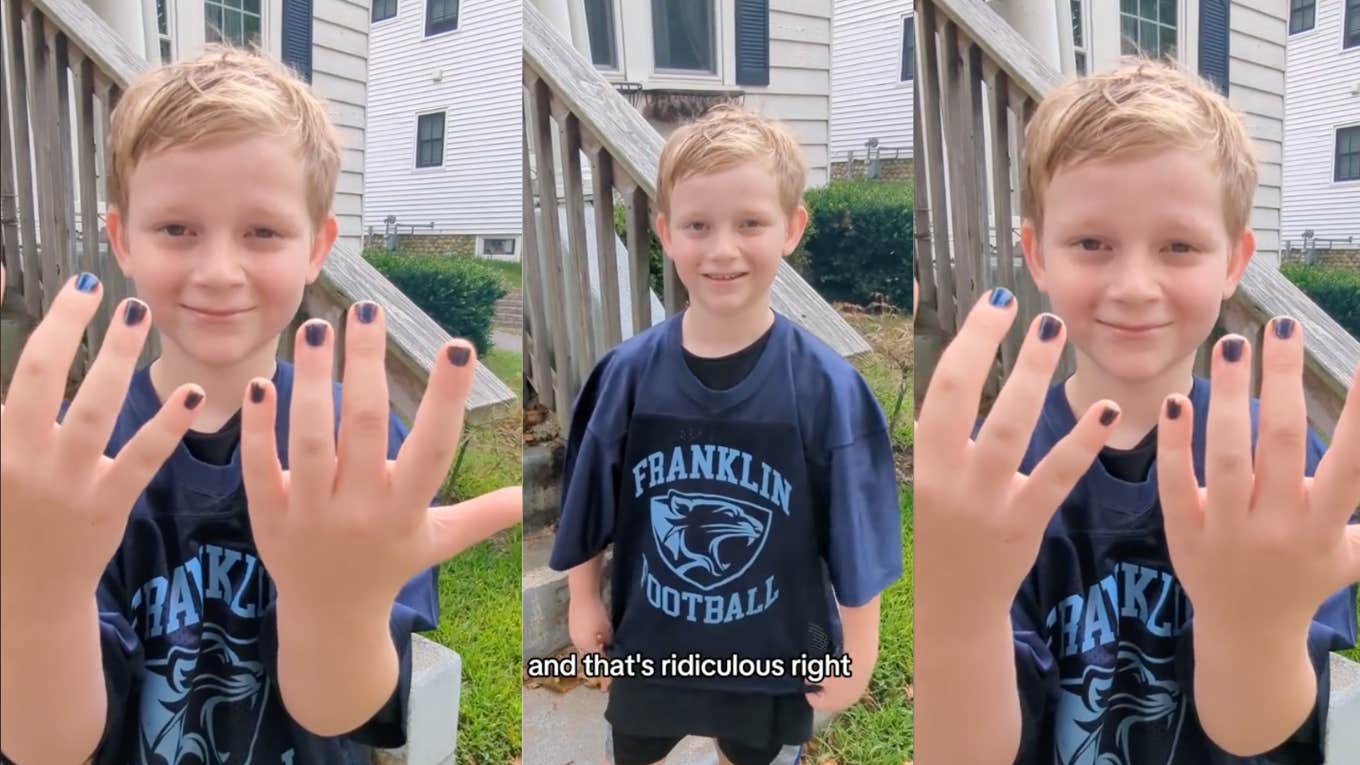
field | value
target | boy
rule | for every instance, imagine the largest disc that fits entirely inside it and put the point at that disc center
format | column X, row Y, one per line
column 189, row 600
column 1138, row 187
column 736, row 463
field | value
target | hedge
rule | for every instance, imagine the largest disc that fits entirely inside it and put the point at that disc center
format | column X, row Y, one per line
column 859, row 242
column 1335, row 290
column 459, row 293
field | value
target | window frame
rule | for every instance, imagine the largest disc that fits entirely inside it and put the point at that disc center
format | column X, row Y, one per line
column 482, row 240
column 715, row 40
column 906, row 68
column 188, row 27
column 1081, row 52
column 615, row 43
column 444, row 26
column 394, row 7
column 165, row 41
column 1352, row 131
column 1348, row 39
column 265, row 9
column 1139, row 20
column 1297, row 7
column 443, row 138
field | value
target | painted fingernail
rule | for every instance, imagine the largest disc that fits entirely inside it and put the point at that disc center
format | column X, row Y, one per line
column 366, row 311
column 459, row 355
column 1001, row 297
column 1107, row 416
column 1284, row 328
column 87, row 281
column 1232, row 350
column 1173, row 409
column 315, row 333
column 1049, row 327
column 192, row 400
column 133, row 312
column 256, row 393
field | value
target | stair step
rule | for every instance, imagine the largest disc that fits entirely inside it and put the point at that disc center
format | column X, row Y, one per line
column 545, row 597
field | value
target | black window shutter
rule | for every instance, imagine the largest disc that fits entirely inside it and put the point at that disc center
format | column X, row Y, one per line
column 753, row 42
column 297, row 36
column 1213, row 42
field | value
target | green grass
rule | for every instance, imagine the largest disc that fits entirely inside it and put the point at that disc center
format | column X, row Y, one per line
column 511, row 273
column 507, row 365
column 1354, row 653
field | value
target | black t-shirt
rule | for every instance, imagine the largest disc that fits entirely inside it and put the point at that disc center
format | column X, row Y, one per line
column 724, row 372
column 1132, row 464
column 215, row 448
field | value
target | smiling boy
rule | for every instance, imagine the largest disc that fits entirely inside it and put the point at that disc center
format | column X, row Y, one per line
column 244, row 591
column 741, row 469
column 1180, row 604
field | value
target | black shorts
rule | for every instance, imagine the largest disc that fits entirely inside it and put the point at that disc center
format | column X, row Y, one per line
column 648, row 719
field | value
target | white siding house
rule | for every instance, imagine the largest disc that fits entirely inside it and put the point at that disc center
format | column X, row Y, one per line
column 444, row 118
column 871, row 82
column 1322, row 125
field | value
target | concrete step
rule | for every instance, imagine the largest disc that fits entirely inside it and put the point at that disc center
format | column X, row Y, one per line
column 542, row 484
column 432, row 714
column 1343, row 713
column 569, row 729
column 545, row 597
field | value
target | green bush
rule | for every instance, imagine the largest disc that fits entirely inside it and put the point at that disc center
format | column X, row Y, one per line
column 656, row 258
column 859, row 241
column 459, row 293
column 1335, row 290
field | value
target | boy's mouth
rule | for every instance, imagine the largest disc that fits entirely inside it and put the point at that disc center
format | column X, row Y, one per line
column 725, row 277
column 1132, row 329
column 214, row 313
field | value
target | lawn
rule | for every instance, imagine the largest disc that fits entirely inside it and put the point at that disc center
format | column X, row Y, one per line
column 511, row 273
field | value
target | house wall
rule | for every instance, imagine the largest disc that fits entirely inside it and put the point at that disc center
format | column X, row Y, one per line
column 868, row 97
column 1256, row 48
column 473, row 75
column 340, row 71
column 1322, row 93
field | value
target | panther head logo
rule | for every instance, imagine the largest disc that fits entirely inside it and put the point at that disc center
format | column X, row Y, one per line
column 708, row 540
column 1102, row 714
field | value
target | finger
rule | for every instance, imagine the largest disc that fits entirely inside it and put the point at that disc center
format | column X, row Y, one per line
column 311, row 426
column 1227, row 458
column 1052, row 479
column 1177, row 486
column 89, row 420
column 424, row 460
column 1282, row 421
column 144, row 454
column 455, row 528
column 260, row 468
column 1005, row 435
column 1336, row 482
column 955, row 389
column 39, row 382
column 364, row 411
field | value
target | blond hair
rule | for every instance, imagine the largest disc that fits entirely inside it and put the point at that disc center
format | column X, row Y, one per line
column 223, row 93
column 727, row 136
column 1142, row 106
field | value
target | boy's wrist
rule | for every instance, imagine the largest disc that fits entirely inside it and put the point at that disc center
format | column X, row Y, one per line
column 1228, row 641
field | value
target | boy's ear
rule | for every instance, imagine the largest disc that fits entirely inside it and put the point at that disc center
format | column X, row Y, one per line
column 321, row 247
column 1034, row 258
column 1238, row 259
column 794, row 234
column 113, row 221
column 663, row 233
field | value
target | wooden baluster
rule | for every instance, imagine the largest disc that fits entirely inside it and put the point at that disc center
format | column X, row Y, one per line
column 550, row 248
column 42, row 86
column 602, row 180
column 538, row 365
column 9, row 231
column 639, row 244
column 999, row 125
column 576, row 261
column 83, row 69
column 952, row 109
column 930, row 92
column 27, row 201
column 976, row 188
column 673, row 292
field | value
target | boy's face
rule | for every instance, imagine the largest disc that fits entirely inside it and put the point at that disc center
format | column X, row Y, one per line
column 220, row 243
column 726, row 233
column 1135, row 258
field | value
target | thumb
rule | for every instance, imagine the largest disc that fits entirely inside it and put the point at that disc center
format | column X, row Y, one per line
column 1353, row 559
column 455, row 528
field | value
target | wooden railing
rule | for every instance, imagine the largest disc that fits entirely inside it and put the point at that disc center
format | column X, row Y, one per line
column 974, row 70
column 59, row 59
column 566, row 99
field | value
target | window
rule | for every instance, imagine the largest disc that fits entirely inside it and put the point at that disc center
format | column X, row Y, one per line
column 908, row 48
column 430, row 140
column 1301, row 15
column 163, row 31
column 498, row 246
column 682, row 35
column 1148, row 27
column 600, row 25
column 440, row 16
column 1350, row 36
column 236, row 22
column 1078, row 38
column 1347, row 154
column 384, row 9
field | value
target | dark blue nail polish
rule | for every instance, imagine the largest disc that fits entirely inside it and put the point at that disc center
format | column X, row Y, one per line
column 366, row 312
column 133, row 312
column 1107, row 416
column 1049, row 327
column 1173, row 409
column 256, row 393
column 459, row 355
column 315, row 334
column 87, row 282
column 1284, row 328
column 1001, row 297
column 192, row 400
column 1232, row 350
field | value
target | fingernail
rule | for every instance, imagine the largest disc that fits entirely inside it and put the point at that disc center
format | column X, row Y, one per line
column 1232, row 349
column 192, row 400
column 87, row 281
column 459, row 355
column 133, row 312
column 1173, row 409
column 366, row 311
column 1107, row 416
column 1049, row 326
column 1284, row 328
column 315, row 333
column 256, row 393
column 1001, row 297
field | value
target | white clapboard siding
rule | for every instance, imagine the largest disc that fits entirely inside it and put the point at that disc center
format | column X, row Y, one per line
column 339, row 73
column 1256, row 39
column 1322, row 93
column 868, row 97
column 471, row 74
column 800, row 89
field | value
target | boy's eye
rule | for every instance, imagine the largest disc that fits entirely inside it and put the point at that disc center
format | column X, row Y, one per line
column 264, row 233
column 1182, row 247
column 175, row 229
column 1089, row 244
column 751, row 223
column 696, row 225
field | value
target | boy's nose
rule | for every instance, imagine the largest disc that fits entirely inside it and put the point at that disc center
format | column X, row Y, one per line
column 220, row 264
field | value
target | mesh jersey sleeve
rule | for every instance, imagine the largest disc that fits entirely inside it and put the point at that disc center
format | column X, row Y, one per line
column 865, row 519
column 590, row 480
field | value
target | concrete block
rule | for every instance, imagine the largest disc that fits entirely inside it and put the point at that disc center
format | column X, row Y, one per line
column 542, row 485
column 545, row 597
column 1343, row 713
column 432, row 717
